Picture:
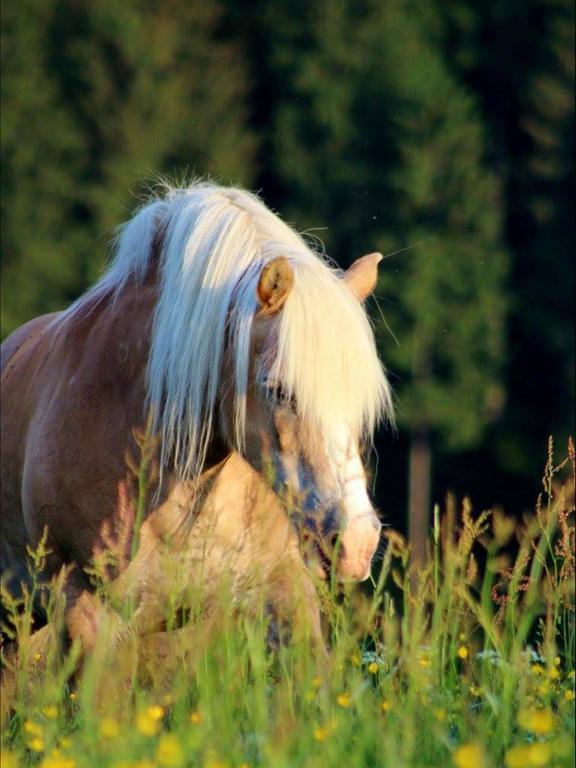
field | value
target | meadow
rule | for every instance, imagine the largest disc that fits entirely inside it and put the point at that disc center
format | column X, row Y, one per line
column 466, row 661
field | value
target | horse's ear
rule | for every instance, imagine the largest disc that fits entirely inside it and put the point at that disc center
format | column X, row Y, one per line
column 362, row 276
column 274, row 285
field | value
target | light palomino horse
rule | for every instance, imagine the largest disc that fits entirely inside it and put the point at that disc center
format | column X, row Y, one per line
column 258, row 364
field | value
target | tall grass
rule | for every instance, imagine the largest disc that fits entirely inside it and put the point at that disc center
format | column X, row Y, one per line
column 467, row 661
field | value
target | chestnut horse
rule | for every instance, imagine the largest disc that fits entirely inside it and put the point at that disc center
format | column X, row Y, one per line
column 254, row 364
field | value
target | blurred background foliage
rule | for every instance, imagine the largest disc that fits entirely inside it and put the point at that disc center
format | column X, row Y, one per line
column 438, row 131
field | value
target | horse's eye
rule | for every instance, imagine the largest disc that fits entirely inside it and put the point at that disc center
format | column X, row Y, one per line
column 280, row 396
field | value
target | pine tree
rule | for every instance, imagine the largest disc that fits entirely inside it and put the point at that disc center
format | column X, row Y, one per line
column 518, row 57
column 450, row 289
column 104, row 96
column 41, row 157
column 546, row 268
column 371, row 134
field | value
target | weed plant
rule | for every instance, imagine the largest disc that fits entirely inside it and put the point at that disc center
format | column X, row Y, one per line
column 465, row 661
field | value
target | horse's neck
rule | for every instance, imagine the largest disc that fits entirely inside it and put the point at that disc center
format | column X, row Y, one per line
column 238, row 536
column 246, row 519
column 117, row 331
column 231, row 493
column 232, row 504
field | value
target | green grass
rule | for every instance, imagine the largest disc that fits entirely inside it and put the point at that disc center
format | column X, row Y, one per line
column 467, row 662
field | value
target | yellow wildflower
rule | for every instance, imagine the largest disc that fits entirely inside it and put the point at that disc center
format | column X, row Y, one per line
column 109, row 728
column 316, row 682
column 535, row 755
column 37, row 656
column 8, row 759
column 343, row 700
column 423, row 660
column 569, row 695
column 440, row 715
column 544, row 688
column 554, row 673
column 36, row 744
column 169, row 752
column 539, row 754
column 147, row 724
column 386, row 705
column 73, row 696
column 536, row 720
column 517, row 757
column 356, row 660
column 469, row 756
column 538, row 669
column 195, row 717
column 462, row 636
column 51, row 712
column 32, row 728
column 462, row 652
column 557, row 661
column 373, row 668
column 57, row 760
column 320, row 734
column 475, row 691
column 156, row 712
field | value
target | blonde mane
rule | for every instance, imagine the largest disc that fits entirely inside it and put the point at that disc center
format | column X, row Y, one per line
column 216, row 240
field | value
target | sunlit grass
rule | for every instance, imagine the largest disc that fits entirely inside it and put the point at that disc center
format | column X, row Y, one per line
column 468, row 662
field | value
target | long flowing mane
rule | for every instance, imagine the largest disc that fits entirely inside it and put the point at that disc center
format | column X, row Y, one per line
column 215, row 242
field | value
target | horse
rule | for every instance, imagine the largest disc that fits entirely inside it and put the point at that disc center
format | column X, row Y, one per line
column 249, row 361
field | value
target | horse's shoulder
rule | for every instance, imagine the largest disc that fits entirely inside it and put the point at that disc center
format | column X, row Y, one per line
column 24, row 337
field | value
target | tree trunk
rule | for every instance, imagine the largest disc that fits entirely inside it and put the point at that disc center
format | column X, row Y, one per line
column 419, row 495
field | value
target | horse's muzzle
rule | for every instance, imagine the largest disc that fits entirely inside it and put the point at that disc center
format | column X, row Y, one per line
column 358, row 544
column 348, row 551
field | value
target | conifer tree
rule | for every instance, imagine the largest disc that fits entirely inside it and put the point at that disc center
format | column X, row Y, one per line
column 371, row 134
column 99, row 97
column 547, row 263
column 42, row 150
column 518, row 57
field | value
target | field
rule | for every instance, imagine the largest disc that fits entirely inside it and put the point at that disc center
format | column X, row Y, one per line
column 466, row 662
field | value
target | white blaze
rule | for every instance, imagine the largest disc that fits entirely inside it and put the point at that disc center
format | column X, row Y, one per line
column 360, row 535
column 348, row 472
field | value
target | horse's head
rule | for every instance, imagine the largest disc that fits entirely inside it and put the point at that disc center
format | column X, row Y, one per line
column 315, row 467
column 257, row 337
